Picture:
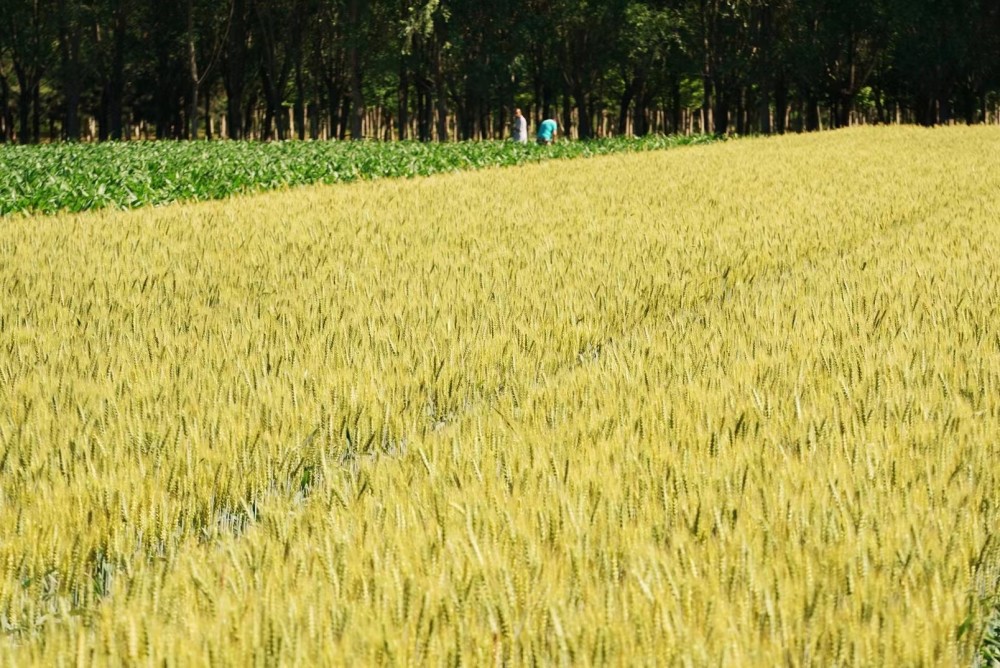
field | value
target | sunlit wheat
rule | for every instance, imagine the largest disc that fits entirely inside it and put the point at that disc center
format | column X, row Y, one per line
column 725, row 405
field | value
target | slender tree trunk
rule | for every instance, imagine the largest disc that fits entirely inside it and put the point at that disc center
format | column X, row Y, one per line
column 465, row 118
column 944, row 106
column 312, row 111
column 764, row 110
column 624, row 104
column 191, row 129
column 539, row 97
column 567, row 117
column 843, row 110
column 5, row 119
column 440, row 95
column 208, row 113
column 69, row 50
column 881, row 116
column 300, row 101
column 584, row 129
column 267, row 131
column 24, row 100
column 345, row 116
column 423, row 113
column 357, row 98
column 333, row 103
column 720, row 112
column 741, row 108
column 707, row 102
column 161, row 96
column 271, row 127
column 403, row 100
column 72, row 119
column 248, row 116
column 354, row 9
column 707, row 74
column 780, row 104
column 102, row 115
column 36, row 116
column 116, row 83
column 234, row 77
column 812, row 112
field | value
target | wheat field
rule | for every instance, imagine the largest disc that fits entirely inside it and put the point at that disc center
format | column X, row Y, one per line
column 732, row 405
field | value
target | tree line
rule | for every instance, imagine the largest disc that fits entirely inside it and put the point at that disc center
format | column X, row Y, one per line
column 456, row 69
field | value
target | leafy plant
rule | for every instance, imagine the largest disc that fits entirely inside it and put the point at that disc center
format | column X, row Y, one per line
column 78, row 177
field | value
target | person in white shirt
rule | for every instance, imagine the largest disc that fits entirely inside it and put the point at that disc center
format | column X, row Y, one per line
column 519, row 131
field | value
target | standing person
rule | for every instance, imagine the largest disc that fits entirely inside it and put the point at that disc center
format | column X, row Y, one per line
column 547, row 131
column 519, row 131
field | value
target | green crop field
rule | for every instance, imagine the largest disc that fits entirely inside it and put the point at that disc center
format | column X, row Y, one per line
column 78, row 177
column 734, row 404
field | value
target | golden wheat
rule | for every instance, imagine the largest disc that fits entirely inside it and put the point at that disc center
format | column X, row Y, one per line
column 724, row 405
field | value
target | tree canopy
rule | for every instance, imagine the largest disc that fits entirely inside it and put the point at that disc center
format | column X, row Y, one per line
column 456, row 69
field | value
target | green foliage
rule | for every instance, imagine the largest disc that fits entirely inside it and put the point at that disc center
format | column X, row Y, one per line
column 989, row 652
column 77, row 177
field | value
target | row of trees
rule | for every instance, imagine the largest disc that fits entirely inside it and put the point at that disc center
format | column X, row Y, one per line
column 446, row 69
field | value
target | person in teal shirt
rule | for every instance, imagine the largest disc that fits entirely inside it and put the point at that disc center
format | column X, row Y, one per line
column 547, row 130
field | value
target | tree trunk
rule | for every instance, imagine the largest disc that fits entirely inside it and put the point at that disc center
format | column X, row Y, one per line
column 707, row 74
column 764, row 113
column 466, row 122
column 248, row 114
column 567, row 117
column 191, row 129
column 766, row 69
column 812, row 113
column 357, row 97
column 423, row 113
column 539, row 97
column 208, row 113
column 102, row 115
column 69, row 51
column 266, row 131
column 720, row 112
column 780, row 104
column 300, row 102
column 440, row 95
column 234, row 69
column 116, row 82
column 354, row 66
column 333, row 102
column 548, row 102
column 403, row 100
column 843, row 110
column 36, row 113
column 5, row 119
column 672, row 113
column 312, row 111
column 345, row 117
column 71, row 130
column 706, row 105
column 741, row 112
column 624, row 104
column 881, row 116
column 161, row 96
column 26, row 88
column 945, row 112
column 582, row 99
